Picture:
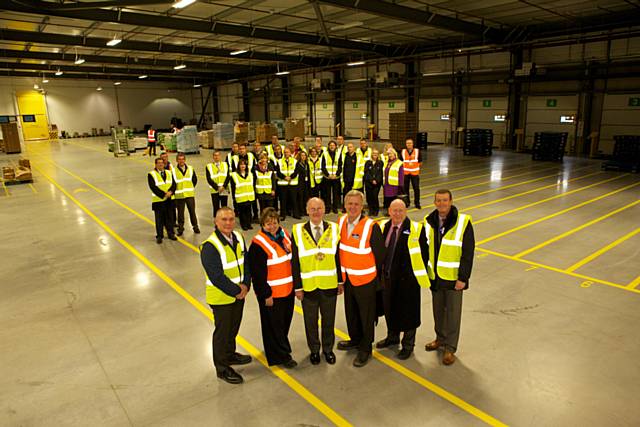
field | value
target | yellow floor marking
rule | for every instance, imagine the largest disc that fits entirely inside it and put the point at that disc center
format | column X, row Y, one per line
column 574, row 230
column 404, row 371
column 439, row 184
column 533, row 267
column 557, row 196
column 6, row 190
column 498, row 180
column 602, row 250
column 553, row 215
column 322, row 407
column 634, row 283
column 33, row 188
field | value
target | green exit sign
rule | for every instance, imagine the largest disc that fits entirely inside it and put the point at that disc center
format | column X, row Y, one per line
column 552, row 102
column 486, row 103
column 355, row 105
column 434, row 104
column 392, row 105
column 324, row 106
column 634, row 102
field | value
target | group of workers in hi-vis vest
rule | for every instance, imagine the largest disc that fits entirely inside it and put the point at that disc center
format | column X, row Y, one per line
column 378, row 267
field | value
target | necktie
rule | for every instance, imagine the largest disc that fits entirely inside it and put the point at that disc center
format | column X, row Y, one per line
column 317, row 235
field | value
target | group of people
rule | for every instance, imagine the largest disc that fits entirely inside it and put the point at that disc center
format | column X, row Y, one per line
column 379, row 267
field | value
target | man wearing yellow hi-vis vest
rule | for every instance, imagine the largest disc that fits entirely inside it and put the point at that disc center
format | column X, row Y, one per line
column 162, row 187
column 186, row 181
column 451, row 246
column 316, row 268
column 403, row 275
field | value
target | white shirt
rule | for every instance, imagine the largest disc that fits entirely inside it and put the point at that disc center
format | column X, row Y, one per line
column 319, row 228
column 352, row 225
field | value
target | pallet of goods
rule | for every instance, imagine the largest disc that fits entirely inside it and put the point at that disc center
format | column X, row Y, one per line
column 549, row 146
column 20, row 174
column 401, row 127
column 241, row 132
column 223, row 136
column 626, row 154
column 478, row 142
column 187, row 140
column 294, row 128
column 265, row 131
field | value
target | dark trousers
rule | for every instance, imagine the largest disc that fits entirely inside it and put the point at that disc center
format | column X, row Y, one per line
column 373, row 201
column 152, row 148
column 414, row 181
column 162, row 212
column 408, row 338
column 244, row 213
column 275, row 322
column 254, row 208
column 217, row 201
column 302, row 195
column 227, row 320
column 288, row 205
column 360, row 311
column 323, row 303
column 190, row 203
column 447, row 314
column 265, row 203
column 316, row 192
column 171, row 203
column 332, row 196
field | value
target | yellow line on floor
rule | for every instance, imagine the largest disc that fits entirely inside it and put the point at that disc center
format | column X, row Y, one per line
column 322, row 407
column 544, row 218
column 6, row 190
column 404, row 371
column 602, row 250
column 574, row 230
column 440, row 184
column 557, row 270
column 634, row 283
column 557, row 196
column 500, row 180
column 33, row 188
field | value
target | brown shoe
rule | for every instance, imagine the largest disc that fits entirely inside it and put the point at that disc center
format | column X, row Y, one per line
column 433, row 345
column 448, row 358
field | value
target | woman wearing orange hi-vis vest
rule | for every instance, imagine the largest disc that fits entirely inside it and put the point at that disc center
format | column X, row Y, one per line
column 270, row 256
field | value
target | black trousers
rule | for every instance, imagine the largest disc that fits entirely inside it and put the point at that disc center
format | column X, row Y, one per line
column 171, row 203
column 317, row 192
column 409, row 335
column 254, row 208
column 227, row 320
column 373, row 200
column 414, row 181
column 190, row 203
column 217, row 201
column 244, row 213
column 265, row 203
column 332, row 196
column 288, row 205
column 447, row 315
column 302, row 195
column 162, row 212
column 323, row 303
column 360, row 311
column 152, row 148
column 275, row 322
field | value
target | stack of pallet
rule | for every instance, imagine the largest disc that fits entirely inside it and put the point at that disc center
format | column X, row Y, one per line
column 401, row 127
column 187, row 140
column 549, row 146
column 223, row 136
column 17, row 174
column 265, row 131
column 11, row 137
column 293, row 128
column 478, row 142
column 241, row 132
column 626, row 154
column 279, row 124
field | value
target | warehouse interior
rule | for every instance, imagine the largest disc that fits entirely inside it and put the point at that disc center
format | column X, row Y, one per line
column 528, row 111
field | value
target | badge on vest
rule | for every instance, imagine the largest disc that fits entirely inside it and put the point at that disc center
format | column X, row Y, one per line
column 355, row 236
column 407, row 232
column 319, row 256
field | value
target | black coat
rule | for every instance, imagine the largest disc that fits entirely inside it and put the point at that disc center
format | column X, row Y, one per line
column 402, row 291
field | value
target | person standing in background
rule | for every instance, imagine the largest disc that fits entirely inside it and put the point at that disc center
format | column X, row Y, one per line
column 373, row 177
column 411, row 162
column 331, row 165
column 304, row 181
column 287, row 172
column 152, row 139
column 243, row 192
column 162, row 187
column 266, row 182
column 217, row 173
column 315, row 173
column 185, row 195
column 393, row 179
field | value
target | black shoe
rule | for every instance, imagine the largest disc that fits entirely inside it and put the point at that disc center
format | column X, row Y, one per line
column 289, row 364
column 418, row 207
column 386, row 343
column 314, row 358
column 230, row 376
column 179, row 233
column 361, row 359
column 158, row 240
column 404, row 354
column 196, row 230
column 239, row 359
column 173, row 237
column 347, row 345
column 330, row 357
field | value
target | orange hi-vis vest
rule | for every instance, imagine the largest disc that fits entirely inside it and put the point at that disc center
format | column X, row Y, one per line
column 356, row 257
column 151, row 135
column 279, row 276
column 410, row 162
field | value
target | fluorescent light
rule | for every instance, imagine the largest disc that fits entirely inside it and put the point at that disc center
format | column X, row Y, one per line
column 144, row 76
column 347, row 26
column 59, row 73
column 179, row 67
column 114, row 42
column 117, row 83
column 183, row 3
column 45, row 80
column 79, row 61
column 197, row 85
column 238, row 52
column 36, row 87
column 358, row 80
column 353, row 64
column 99, row 88
column 282, row 73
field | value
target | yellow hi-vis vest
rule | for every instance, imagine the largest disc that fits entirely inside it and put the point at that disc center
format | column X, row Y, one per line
column 218, row 175
column 163, row 185
column 317, row 261
column 235, row 159
column 184, row 183
column 232, row 264
column 359, row 174
column 450, row 252
column 394, row 173
column 271, row 153
column 263, row 182
column 331, row 164
column 316, row 171
column 244, row 187
column 287, row 170
column 366, row 154
column 413, row 244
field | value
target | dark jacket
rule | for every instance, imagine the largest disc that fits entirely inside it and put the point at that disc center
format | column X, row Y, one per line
column 468, row 247
column 295, row 261
column 336, row 158
column 349, row 164
column 373, row 171
column 258, row 262
column 155, row 190
column 401, row 289
column 212, row 264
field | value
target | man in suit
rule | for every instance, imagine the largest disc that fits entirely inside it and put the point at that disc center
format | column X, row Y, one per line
column 316, row 269
column 162, row 186
column 403, row 273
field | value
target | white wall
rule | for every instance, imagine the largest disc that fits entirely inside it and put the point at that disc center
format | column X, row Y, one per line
column 479, row 116
column 618, row 118
column 229, row 101
column 541, row 118
column 430, row 111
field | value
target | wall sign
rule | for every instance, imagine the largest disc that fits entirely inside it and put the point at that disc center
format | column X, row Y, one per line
column 552, row 102
column 434, row 104
column 634, row 102
column 324, row 106
column 486, row 103
column 355, row 105
column 392, row 105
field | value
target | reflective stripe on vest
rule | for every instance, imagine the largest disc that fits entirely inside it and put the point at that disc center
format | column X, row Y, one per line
column 279, row 276
column 450, row 252
column 356, row 257
column 184, row 183
column 393, row 177
column 151, row 135
column 163, row 185
column 359, row 173
column 218, row 175
column 316, row 172
column 263, row 182
column 244, row 187
column 287, row 168
column 413, row 245
column 366, row 154
column 410, row 162
column 331, row 164
column 317, row 260
column 232, row 264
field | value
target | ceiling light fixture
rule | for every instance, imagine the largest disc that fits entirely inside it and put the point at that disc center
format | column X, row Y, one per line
column 36, row 87
column 347, row 26
column 114, row 41
column 117, row 83
column 59, row 73
column 99, row 88
column 79, row 61
column 144, row 76
column 179, row 67
column 45, row 80
column 353, row 64
column 282, row 73
column 238, row 52
column 182, row 3
column 197, row 85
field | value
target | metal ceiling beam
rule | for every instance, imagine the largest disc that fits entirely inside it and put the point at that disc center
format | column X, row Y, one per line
column 80, row 41
column 185, row 24
column 316, row 8
column 417, row 16
column 235, row 9
column 90, row 76
column 111, row 3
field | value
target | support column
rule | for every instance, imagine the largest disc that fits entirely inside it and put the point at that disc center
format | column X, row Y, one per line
column 286, row 103
column 338, row 107
column 246, row 108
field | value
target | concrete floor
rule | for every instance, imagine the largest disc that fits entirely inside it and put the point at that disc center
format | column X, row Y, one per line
column 101, row 326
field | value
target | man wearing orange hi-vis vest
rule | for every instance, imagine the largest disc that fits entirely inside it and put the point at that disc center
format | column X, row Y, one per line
column 411, row 160
column 361, row 252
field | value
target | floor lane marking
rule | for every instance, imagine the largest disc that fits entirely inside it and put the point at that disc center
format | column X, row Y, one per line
column 602, row 250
